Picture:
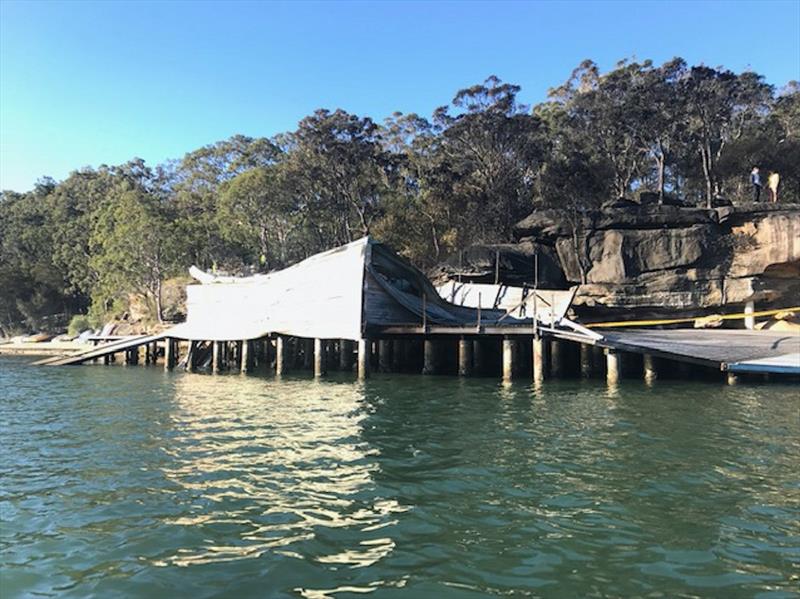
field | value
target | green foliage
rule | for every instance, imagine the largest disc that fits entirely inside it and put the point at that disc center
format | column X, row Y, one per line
column 429, row 187
column 78, row 324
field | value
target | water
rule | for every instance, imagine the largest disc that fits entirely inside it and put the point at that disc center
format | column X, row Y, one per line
column 133, row 482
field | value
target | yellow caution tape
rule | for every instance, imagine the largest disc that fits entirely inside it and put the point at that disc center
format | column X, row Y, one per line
column 646, row 323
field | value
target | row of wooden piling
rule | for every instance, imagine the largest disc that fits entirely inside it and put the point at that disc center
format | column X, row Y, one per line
column 511, row 357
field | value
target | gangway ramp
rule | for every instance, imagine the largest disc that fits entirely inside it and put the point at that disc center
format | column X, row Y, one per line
column 101, row 351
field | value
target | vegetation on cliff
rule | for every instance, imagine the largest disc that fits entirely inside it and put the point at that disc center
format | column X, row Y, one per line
column 428, row 186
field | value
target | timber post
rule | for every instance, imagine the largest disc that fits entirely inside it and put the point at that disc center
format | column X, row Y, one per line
column 345, row 355
column 749, row 319
column 478, row 357
column 587, row 362
column 613, row 366
column 170, row 353
column 509, row 358
column 430, row 363
column 245, row 356
column 649, row 367
column 384, row 355
column 132, row 356
column 464, row 356
column 319, row 357
column 309, row 346
column 281, row 355
column 541, row 354
column 216, row 356
column 191, row 357
column 557, row 357
column 397, row 355
column 363, row 358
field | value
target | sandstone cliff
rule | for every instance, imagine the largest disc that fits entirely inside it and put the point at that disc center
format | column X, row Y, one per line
column 651, row 260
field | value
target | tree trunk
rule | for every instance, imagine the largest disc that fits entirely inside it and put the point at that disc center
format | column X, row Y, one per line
column 159, row 309
column 707, row 174
column 661, row 160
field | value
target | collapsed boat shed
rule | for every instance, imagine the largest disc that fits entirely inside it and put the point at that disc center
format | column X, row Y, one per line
column 362, row 303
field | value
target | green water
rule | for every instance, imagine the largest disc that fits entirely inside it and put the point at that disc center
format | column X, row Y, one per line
column 133, row 482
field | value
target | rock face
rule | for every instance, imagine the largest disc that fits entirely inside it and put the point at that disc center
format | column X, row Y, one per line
column 663, row 261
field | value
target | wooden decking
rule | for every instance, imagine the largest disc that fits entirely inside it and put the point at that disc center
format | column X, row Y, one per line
column 735, row 350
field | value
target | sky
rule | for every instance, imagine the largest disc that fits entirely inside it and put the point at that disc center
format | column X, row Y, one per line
column 90, row 83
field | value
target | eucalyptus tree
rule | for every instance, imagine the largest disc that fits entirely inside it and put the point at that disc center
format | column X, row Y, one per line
column 134, row 250
column 719, row 107
column 605, row 114
column 194, row 184
column 492, row 148
column 338, row 173
column 256, row 213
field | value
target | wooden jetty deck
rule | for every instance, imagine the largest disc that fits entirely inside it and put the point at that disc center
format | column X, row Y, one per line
column 725, row 349
column 361, row 301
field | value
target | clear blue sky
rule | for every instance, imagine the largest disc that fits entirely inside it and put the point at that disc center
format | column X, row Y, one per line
column 84, row 83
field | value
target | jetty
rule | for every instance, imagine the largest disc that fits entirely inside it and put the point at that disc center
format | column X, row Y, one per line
column 361, row 307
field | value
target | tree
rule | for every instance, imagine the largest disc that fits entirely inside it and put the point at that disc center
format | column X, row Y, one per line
column 604, row 116
column 719, row 107
column 257, row 213
column 492, row 148
column 133, row 249
column 339, row 173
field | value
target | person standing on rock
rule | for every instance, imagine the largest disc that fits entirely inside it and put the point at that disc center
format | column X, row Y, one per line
column 755, row 179
column 772, row 184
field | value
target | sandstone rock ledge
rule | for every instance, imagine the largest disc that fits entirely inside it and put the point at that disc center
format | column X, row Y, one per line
column 652, row 261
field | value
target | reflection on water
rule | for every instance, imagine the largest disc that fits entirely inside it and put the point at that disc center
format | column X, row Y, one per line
column 122, row 481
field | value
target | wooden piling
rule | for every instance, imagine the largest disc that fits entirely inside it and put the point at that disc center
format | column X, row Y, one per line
column 478, row 357
column 557, row 358
column 191, row 357
column 245, row 356
column 216, row 356
column 541, row 356
column 587, row 361
column 749, row 319
column 170, row 353
column 363, row 358
column 281, row 355
column 309, row 346
column 649, row 369
column 397, row 355
column 430, row 362
column 319, row 357
column 464, row 357
column 613, row 366
column 509, row 358
column 132, row 356
column 345, row 355
column 384, row 355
